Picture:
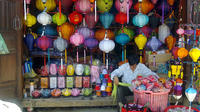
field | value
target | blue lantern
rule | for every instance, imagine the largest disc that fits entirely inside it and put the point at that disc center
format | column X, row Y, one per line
column 29, row 41
column 91, row 43
column 106, row 19
column 140, row 20
column 122, row 39
column 154, row 43
column 48, row 30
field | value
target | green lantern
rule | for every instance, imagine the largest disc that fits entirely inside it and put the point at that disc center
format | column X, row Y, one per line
column 127, row 31
column 59, row 19
column 104, row 5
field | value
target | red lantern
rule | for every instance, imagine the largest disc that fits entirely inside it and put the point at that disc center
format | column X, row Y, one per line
column 121, row 18
column 198, row 32
column 90, row 20
column 75, row 17
column 43, row 43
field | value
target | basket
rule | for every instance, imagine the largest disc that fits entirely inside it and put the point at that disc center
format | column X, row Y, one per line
column 124, row 109
column 157, row 101
column 181, row 106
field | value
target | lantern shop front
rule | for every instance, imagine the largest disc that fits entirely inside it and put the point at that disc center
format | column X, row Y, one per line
column 66, row 53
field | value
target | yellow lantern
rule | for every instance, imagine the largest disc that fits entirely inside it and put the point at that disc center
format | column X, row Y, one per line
column 194, row 54
column 49, row 4
column 31, row 20
column 140, row 41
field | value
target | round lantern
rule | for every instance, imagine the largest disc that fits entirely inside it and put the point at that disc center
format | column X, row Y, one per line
column 66, row 30
column 104, row 5
column 70, row 70
column 127, row 31
column 100, row 34
column 170, row 41
column 30, row 21
column 75, row 17
column 59, row 20
column 49, row 30
column 90, row 20
column 146, row 30
column 140, row 20
column 163, row 32
column 190, row 94
column 154, row 1
column 189, row 31
column 86, row 32
column 60, row 44
column 154, row 43
column 194, row 54
column 66, row 5
column 43, row 43
column 123, row 6
column 49, row 4
column 140, row 41
column 180, row 31
column 171, row 2
column 29, row 41
column 79, row 69
column 121, row 18
column 76, row 39
column 106, row 45
column 182, row 52
column 44, row 18
column 91, row 42
column 174, row 52
column 146, row 6
column 83, row 6
column 106, row 19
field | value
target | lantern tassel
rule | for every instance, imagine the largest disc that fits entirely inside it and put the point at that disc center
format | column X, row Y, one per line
column 60, row 9
column 25, row 17
column 91, row 57
column 107, row 61
column 61, row 62
column 104, row 58
column 122, row 53
column 95, row 11
column 125, row 52
column 127, row 12
column 84, row 21
column 84, row 55
column 44, row 60
column 77, row 60
column 163, row 12
column 141, row 56
column 65, row 56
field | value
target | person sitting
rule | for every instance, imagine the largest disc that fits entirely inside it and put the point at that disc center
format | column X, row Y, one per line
column 128, row 72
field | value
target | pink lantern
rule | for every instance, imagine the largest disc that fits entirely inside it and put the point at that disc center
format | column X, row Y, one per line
column 123, row 6
column 76, row 39
column 86, row 32
column 154, row 1
column 43, row 43
column 83, row 6
column 180, row 31
column 90, row 20
column 28, row 1
column 146, row 30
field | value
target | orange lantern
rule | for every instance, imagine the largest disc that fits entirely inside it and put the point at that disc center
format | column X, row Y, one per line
column 182, row 52
column 170, row 41
column 66, row 30
column 75, row 17
column 171, row 2
column 121, row 18
column 198, row 32
column 146, row 6
column 100, row 34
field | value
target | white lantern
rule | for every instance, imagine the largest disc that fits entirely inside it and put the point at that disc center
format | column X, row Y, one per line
column 106, row 45
column 44, row 18
column 60, row 44
column 79, row 69
column 163, row 32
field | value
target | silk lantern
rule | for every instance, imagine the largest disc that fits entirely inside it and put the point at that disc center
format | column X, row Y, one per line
column 43, row 43
column 49, row 4
column 182, row 53
column 75, row 17
column 190, row 94
column 154, row 1
column 104, row 5
column 49, row 30
column 123, row 6
column 170, row 41
column 59, row 20
column 66, row 30
column 127, row 31
column 29, row 41
column 154, row 20
column 66, row 5
column 146, row 30
column 44, row 18
column 154, row 43
column 86, row 32
column 171, row 2
column 194, row 54
column 180, row 31
column 140, row 20
column 146, row 6
column 163, row 32
column 76, row 40
column 174, row 52
column 79, row 69
column 140, row 41
column 170, row 21
column 83, row 6
column 70, row 70
column 31, row 20
column 106, row 19
column 121, row 18
column 90, row 20
column 60, row 44
column 122, row 39
column 100, row 34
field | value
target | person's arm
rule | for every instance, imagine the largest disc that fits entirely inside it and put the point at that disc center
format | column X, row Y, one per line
column 146, row 71
column 119, row 72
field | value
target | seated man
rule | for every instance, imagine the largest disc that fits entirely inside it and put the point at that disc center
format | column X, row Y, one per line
column 128, row 72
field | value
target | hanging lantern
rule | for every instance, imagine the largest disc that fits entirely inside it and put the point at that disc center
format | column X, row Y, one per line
column 49, row 4
column 90, row 20
column 91, row 43
column 189, row 31
column 70, row 70
column 49, row 30
column 106, row 19
column 123, row 6
column 146, row 30
column 59, row 20
column 182, row 53
column 140, row 20
column 121, row 18
column 127, row 31
column 79, row 69
column 100, row 34
column 180, row 31
column 194, row 54
column 154, row 20
column 154, row 1
column 86, row 32
column 76, row 39
column 171, row 2
column 75, row 17
column 171, row 20
column 66, row 5
column 106, row 45
column 122, row 39
column 43, row 43
column 163, row 32
column 29, row 41
column 154, row 43
column 170, row 41
column 44, row 18
column 83, row 6
column 104, row 5
column 140, row 41
column 31, row 20
column 190, row 94
column 60, row 44
column 175, row 52
column 66, row 30
column 146, row 6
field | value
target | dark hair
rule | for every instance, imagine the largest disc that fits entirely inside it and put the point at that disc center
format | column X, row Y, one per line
column 133, row 59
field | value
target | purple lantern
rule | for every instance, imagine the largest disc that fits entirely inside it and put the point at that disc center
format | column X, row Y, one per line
column 86, row 32
column 162, row 4
column 146, row 30
column 44, row 43
column 154, row 43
